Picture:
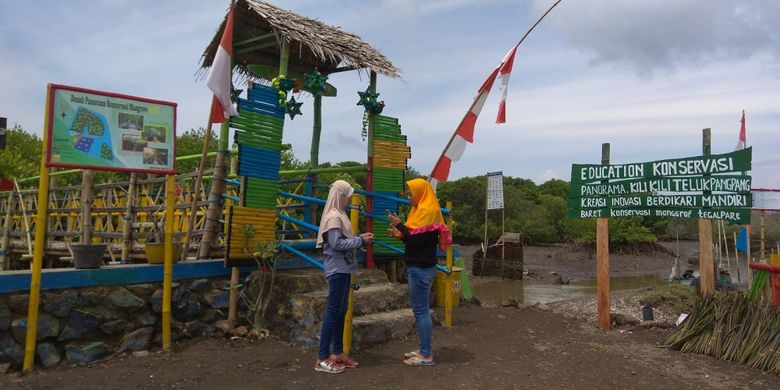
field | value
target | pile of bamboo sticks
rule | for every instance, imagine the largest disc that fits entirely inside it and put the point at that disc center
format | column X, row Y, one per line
column 730, row 326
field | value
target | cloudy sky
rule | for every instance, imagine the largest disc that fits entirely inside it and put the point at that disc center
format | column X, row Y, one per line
column 645, row 76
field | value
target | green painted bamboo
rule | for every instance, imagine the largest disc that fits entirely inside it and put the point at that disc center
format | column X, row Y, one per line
column 314, row 155
column 298, row 172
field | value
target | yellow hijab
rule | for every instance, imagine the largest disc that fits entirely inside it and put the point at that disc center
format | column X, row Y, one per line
column 425, row 206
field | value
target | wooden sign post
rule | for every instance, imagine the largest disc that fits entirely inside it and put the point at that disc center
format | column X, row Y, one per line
column 706, row 263
column 602, row 261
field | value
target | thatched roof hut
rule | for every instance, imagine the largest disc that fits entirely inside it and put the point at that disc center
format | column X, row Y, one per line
column 258, row 31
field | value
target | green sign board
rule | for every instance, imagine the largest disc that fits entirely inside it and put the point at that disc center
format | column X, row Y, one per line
column 703, row 187
column 107, row 131
column 738, row 161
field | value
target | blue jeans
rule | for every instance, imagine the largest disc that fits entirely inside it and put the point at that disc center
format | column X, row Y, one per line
column 420, row 281
column 333, row 324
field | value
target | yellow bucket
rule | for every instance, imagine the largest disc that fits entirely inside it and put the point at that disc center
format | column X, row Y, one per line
column 440, row 287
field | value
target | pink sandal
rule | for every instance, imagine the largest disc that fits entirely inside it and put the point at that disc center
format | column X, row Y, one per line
column 329, row 366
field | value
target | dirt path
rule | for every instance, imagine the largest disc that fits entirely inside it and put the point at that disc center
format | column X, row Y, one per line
column 495, row 348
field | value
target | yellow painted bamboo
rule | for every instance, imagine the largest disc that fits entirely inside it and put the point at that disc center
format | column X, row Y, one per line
column 168, row 263
column 40, row 242
column 354, row 217
column 448, row 289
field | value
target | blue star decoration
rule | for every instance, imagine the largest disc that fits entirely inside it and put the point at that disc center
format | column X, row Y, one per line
column 293, row 108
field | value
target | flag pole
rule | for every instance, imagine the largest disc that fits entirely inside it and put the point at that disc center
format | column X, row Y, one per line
column 492, row 76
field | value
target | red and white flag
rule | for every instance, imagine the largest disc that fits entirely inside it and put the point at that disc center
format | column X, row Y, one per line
column 503, row 77
column 219, row 80
column 742, row 136
column 464, row 133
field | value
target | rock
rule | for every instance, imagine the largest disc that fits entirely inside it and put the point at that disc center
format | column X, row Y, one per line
column 5, row 315
column 218, row 299
column 140, row 354
column 188, row 311
column 241, row 331
column 176, row 335
column 137, row 340
column 123, row 299
column 211, row 316
column 10, row 351
column 47, row 354
column 93, row 296
column 156, row 301
column 145, row 319
column 60, row 304
column 78, row 324
column 4, row 368
column 198, row 329
column 114, row 327
column 200, row 285
column 48, row 326
column 220, row 284
column 144, row 290
column 623, row 319
column 98, row 312
column 84, row 354
column 510, row 302
column 179, row 298
column 542, row 307
column 223, row 326
column 19, row 303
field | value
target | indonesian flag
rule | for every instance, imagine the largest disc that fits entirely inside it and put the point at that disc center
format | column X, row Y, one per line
column 503, row 77
column 464, row 133
column 742, row 137
column 219, row 80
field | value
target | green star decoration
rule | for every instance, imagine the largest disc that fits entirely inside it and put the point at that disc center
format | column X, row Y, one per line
column 368, row 100
column 293, row 108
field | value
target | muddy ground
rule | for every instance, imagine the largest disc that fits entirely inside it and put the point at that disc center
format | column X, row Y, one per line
column 488, row 347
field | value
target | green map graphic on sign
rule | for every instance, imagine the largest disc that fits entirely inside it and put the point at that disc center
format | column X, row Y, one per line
column 90, row 135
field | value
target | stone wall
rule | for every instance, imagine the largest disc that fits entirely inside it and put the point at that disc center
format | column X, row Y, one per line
column 81, row 326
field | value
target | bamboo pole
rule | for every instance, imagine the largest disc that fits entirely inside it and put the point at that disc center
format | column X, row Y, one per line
column 40, row 241
column 706, row 264
column 195, row 187
column 448, row 287
column 234, row 272
column 762, row 251
column 127, row 228
column 736, row 259
column 168, row 262
column 485, row 240
column 5, row 260
column 86, row 207
column 354, row 218
column 602, row 261
column 370, row 178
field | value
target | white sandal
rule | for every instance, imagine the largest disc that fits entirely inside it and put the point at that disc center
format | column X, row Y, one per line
column 329, row 366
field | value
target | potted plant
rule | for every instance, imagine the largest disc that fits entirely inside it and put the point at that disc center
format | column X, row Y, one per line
column 155, row 246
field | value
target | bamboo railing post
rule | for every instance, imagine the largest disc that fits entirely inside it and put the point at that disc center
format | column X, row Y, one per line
column 602, row 261
column 354, row 218
column 448, row 277
column 86, row 207
column 762, row 250
column 40, row 241
column 706, row 263
column 127, row 228
column 5, row 259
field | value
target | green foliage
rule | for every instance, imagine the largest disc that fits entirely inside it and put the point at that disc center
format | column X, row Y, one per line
column 22, row 155
column 676, row 296
column 191, row 143
column 538, row 212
